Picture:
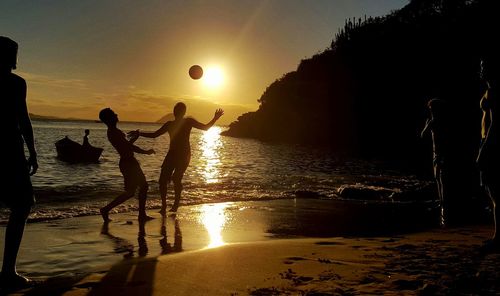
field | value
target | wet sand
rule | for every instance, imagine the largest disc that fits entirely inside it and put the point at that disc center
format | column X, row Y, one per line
column 295, row 247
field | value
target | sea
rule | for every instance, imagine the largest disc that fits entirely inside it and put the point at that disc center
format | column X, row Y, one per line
column 222, row 169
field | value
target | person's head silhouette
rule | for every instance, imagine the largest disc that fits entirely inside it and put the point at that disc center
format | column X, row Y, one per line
column 108, row 116
column 8, row 53
column 436, row 107
column 179, row 110
column 87, row 132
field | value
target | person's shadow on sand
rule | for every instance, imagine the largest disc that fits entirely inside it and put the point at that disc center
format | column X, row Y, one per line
column 131, row 276
column 135, row 276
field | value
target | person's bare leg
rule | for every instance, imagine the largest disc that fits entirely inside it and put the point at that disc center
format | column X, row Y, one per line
column 165, row 176
column 177, row 178
column 492, row 193
column 115, row 202
column 143, row 191
column 13, row 236
column 492, row 244
column 443, row 210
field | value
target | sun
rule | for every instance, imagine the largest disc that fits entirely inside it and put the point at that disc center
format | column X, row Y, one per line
column 213, row 77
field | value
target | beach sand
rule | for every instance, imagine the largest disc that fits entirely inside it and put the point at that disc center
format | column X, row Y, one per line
column 266, row 248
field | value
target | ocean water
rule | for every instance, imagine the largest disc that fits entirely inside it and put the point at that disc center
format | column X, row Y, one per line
column 221, row 169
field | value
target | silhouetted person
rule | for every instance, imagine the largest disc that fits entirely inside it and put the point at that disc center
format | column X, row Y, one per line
column 16, row 130
column 488, row 159
column 85, row 142
column 129, row 166
column 179, row 154
column 437, row 124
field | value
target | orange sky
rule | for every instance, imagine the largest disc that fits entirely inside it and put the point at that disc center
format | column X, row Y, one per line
column 133, row 56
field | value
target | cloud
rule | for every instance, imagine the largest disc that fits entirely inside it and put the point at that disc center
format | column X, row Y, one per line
column 145, row 106
column 133, row 105
column 50, row 81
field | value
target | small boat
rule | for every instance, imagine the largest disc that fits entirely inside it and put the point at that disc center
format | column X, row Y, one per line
column 73, row 152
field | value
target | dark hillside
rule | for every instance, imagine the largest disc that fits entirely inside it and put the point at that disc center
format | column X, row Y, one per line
column 366, row 95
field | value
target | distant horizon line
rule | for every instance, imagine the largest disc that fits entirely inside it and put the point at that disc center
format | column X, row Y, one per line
column 38, row 117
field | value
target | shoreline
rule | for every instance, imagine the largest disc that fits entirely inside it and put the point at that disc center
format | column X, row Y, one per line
column 267, row 238
column 436, row 262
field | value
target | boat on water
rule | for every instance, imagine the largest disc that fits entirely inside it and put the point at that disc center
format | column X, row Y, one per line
column 73, row 152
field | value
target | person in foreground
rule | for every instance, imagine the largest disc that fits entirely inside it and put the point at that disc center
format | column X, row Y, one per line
column 17, row 170
column 488, row 159
column 179, row 153
column 129, row 166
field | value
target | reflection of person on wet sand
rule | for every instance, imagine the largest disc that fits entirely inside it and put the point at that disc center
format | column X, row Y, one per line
column 121, row 245
column 16, row 130
column 179, row 153
column 129, row 166
column 166, row 247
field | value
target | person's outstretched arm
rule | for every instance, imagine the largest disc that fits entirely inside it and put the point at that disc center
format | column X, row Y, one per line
column 138, row 149
column 137, row 133
column 27, row 130
column 199, row 125
column 426, row 128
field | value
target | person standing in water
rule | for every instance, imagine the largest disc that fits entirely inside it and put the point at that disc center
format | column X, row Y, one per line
column 179, row 153
column 129, row 166
column 17, row 131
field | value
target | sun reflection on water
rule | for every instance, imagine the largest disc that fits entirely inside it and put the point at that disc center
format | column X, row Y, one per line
column 214, row 217
column 210, row 145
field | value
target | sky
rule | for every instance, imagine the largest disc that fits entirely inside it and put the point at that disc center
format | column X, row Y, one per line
column 134, row 56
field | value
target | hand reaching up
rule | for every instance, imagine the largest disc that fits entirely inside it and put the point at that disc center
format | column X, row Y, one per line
column 218, row 113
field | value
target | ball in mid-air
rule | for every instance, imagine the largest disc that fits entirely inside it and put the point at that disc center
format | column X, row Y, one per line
column 195, row 72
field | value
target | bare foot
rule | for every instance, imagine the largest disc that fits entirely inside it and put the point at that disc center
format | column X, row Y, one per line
column 14, row 281
column 105, row 215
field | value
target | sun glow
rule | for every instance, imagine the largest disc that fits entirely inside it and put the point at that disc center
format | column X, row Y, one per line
column 213, row 77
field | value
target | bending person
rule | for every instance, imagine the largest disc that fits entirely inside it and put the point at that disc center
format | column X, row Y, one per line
column 179, row 153
column 129, row 166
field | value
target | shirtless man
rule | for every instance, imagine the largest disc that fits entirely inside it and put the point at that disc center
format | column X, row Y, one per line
column 179, row 154
column 129, row 166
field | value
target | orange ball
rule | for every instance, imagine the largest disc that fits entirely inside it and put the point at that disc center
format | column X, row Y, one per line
column 195, row 72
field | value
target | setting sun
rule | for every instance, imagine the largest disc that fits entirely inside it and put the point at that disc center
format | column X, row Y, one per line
column 213, row 77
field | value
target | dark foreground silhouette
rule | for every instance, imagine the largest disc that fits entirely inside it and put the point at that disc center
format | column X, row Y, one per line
column 17, row 129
